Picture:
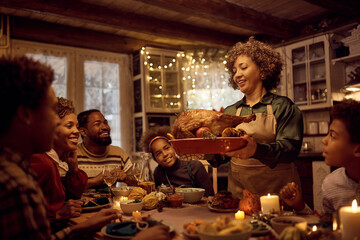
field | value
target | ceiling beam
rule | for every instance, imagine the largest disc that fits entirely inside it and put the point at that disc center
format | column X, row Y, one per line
column 121, row 20
column 27, row 29
column 220, row 10
column 347, row 8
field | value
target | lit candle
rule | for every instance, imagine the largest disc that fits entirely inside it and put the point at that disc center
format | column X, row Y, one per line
column 116, row 205
column 314, row 228
column 123, row 198
column 350, row 221
column 240, row 215
column 270, row 204
column 137, row 215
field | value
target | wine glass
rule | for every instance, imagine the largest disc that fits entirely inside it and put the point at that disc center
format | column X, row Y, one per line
column 136, row 170
column 110, row 175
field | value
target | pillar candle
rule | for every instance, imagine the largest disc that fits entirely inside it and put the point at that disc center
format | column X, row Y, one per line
column 240, row 215
column 270, row 204
column 137, row 215
column 350, row 221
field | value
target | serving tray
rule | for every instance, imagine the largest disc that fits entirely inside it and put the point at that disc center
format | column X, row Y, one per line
column 207, row 146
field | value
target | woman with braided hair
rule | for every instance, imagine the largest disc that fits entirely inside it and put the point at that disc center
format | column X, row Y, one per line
column 171, row 170
column 63, row 155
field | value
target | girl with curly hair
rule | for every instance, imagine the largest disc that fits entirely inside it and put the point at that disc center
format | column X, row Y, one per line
column 171, row 170
column 275, row 137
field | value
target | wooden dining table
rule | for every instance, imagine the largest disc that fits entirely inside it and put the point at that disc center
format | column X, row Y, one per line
column 175, row 218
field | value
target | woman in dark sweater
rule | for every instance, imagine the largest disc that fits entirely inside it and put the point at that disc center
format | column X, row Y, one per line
column 171, row 170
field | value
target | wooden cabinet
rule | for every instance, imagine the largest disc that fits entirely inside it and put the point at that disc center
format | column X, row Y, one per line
column 342, row 67
column 308, row 73
column 157, row 89
column 161, row 78
column 282, row 87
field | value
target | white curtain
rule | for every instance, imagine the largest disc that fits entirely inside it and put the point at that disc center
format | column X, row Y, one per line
column 205, row 83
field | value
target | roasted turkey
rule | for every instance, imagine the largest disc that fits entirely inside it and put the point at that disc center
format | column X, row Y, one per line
column 187, row 123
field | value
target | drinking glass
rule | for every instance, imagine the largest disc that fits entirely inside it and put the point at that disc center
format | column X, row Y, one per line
column 110, row 175
column 137, row 170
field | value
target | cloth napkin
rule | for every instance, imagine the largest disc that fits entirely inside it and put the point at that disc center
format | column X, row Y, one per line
column 100, row 201
column 122, row 229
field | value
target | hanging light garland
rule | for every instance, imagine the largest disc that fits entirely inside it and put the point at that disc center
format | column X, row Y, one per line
column 153, row 63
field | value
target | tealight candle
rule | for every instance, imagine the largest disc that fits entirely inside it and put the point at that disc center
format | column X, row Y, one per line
column 123, row 198
column 270, row 204
column 137, row 215
column 350, row 221
column 240, row 215
column 116, row 205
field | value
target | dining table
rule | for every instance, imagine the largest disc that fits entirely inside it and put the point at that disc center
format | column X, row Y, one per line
column 175, row 218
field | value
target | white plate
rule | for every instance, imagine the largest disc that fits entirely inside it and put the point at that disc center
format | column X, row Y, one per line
column 191, row 236
column 94, row 208
column 103, row 230
column 222, row 210
column 264, row 229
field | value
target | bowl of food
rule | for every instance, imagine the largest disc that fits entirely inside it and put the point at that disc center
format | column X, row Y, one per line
column 225, row 229
column 175, row 200
column 281, row 222
column 191, row 195
column 122, row 191
column 129, row 206
column 190, row 229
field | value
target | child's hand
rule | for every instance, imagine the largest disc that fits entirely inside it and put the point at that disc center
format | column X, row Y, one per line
column 291, row 195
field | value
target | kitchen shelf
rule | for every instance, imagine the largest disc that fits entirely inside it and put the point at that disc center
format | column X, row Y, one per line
column 318, row 79
column 311, row 74
column 347, row 59
column 317, row 60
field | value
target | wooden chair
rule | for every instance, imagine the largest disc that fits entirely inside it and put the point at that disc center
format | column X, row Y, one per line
column 214, row 174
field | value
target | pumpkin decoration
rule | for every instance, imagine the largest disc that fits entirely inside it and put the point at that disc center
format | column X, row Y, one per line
column 137, row 193
column 249, row 203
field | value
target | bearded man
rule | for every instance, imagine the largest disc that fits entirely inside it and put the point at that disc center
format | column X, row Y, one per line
column 96, row 150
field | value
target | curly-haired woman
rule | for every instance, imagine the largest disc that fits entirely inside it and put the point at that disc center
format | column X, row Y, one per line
column 46, row 167
column 275, row 137
column 171, row 170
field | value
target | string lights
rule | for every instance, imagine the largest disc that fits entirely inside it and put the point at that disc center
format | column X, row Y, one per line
column 163, row 92
column 204, row 80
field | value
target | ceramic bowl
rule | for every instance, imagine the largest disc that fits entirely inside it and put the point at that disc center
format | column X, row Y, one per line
column 122, row 191
column 175, row 200
column 281, row 222
column 191, row 195
column 130, row 206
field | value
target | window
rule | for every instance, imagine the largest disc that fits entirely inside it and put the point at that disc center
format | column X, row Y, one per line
column 91, row 79
column 102, row 92
column 206, row 84
column 60, row 70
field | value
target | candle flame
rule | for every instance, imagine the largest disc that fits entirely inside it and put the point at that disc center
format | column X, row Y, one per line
column 354, row 205
column 238, row 211
column 268, row 195
column 314, row 228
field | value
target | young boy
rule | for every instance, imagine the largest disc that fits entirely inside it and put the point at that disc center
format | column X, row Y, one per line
column 341, row 148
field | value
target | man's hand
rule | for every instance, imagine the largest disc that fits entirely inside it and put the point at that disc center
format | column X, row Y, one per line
column 121, row 175
column 291, row 195
column 244, row 152
column 102, row 218
column 71, row 208
column 95, row 181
